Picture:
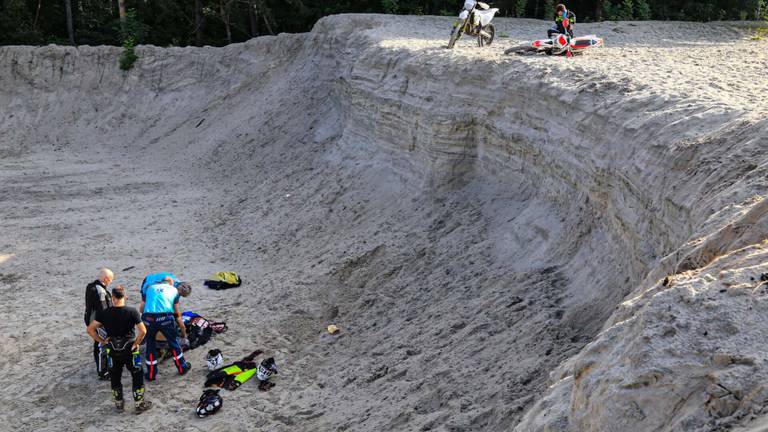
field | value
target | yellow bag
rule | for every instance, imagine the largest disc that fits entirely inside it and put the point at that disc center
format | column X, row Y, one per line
column 229, row 278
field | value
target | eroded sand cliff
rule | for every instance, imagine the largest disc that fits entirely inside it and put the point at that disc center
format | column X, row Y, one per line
column 492, row 233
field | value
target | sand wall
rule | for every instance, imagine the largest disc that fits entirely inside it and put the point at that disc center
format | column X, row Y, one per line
column 474, row 220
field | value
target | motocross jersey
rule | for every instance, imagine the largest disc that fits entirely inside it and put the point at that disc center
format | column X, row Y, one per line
column 160, row 299
column 155, row 278
column 559, row 23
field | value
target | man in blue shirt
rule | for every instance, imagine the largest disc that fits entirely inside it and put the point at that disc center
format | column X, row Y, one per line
column 154, row 278
column 160, row 313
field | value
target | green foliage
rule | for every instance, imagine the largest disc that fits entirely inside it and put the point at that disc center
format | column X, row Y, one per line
column 389, row 6
column 520, row 8
column 549, row 9
column 131, row 31
column 625, row 10
column 762, row 31
column 132, row 27
column 642, row 10
column 128, row 56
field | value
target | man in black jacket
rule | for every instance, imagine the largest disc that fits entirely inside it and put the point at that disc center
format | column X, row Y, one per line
column 98, row 299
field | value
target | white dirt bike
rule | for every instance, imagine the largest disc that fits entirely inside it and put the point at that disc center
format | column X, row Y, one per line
column 475, row 20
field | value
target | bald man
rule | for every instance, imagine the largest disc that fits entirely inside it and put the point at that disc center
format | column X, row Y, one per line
column 97, row 299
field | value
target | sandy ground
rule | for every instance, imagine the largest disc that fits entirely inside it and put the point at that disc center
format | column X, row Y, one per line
column 469, row 219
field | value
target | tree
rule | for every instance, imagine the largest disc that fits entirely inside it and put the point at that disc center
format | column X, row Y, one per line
column 252, row 22
column 70, row 25
column 37, row 14
column 549, row 9
column 520, row 8
column 389, row 6
column 121, row 9
column 642, row 10
column 224, row 6
column 626, row 10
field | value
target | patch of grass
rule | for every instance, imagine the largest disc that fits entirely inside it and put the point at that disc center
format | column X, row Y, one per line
column 760, row 33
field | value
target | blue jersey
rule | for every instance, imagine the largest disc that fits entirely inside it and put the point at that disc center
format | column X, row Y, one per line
column 156, row 278
column 160, row 298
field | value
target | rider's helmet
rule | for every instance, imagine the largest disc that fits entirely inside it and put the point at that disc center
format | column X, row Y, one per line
column 210, row 403
column 214, row 359
column 185, row 289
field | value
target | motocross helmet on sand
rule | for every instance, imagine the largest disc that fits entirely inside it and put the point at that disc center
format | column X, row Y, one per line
column 266, row 369
column 214, row 359
column 210, row 403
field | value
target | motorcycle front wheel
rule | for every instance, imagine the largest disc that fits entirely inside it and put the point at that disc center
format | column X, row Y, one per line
column 455, row 35
column 486, row 35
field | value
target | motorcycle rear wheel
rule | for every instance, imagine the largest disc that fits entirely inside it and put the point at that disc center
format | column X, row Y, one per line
column 483, row 40
column 521, row 49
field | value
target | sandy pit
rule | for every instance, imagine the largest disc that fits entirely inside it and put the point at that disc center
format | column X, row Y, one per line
column 491, row 233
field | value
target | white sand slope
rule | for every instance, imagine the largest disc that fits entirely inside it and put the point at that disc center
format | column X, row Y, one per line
column 490, row 232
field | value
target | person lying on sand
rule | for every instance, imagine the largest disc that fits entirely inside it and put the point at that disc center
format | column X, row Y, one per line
column 161, row 313
column 199, row 332
column 122, row 346
column 98, row 299
column 564, row 21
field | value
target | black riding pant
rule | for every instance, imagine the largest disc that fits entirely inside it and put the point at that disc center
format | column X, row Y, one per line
column 131, row 362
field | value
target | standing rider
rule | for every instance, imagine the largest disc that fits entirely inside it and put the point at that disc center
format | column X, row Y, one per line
column 564, row 21
column 98, row 299
column 122, row 346
column 161, row 313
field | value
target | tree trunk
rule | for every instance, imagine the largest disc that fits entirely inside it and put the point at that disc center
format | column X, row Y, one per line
column 598, row 10
column 252, row 19
column 265, row 15
column 37, row 14
column 70, row 26
column 225, row 18
column 266, row 22
column 198, row 22
column 121, row 10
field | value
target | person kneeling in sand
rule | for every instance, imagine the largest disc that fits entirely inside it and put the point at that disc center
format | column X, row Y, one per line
column 161, row 313
column 154, row 278
column 122, row 344
column 564, row 22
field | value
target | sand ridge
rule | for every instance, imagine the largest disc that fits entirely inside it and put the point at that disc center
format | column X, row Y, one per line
column 471, row 220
